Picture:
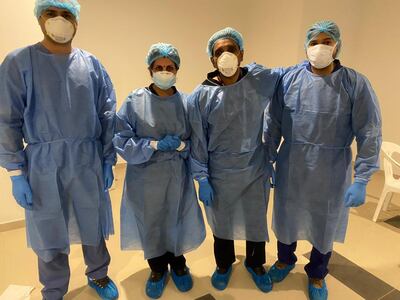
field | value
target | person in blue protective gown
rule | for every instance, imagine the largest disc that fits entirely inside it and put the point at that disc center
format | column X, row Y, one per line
column 318, row 110
column 159, row 213
column 60, row 101
column 228, row 157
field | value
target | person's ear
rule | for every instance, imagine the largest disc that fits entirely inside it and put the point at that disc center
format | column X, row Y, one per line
column 240, row 57
column 41, row 25
column 335, row 51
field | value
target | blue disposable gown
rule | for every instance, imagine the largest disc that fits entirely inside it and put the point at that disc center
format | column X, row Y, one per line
column 63, row 107
column 159, row 211
column 227, row 126
column 318, row 118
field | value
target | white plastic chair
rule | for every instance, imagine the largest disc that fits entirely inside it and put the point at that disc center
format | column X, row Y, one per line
column 392, row 185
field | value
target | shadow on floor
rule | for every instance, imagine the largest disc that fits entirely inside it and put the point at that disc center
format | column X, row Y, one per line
column 82, row 293
column 367, row 211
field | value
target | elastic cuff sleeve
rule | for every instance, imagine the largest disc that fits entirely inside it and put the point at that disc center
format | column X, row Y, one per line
column 361, row 180
column 181, row 147
column 15, row 172
column 154, row 145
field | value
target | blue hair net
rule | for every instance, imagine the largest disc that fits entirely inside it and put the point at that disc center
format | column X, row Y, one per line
column 71, row 5
column 328, row 27
column 161, row 50
column 226, row 33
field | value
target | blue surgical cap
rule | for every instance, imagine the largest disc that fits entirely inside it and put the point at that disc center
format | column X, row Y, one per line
column 161, row 50
column 71, row 5
column 226, row 33
column 328, row 27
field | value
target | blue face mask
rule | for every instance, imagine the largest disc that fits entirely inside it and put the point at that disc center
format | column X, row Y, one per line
column 164, row 79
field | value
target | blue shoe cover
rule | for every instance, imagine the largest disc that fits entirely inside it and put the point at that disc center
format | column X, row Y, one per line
column 107, row 292
column 263, row 282
column 154, row 289
column 317, row 293
column 277, row 275
column 183, row 283
column 220, row 281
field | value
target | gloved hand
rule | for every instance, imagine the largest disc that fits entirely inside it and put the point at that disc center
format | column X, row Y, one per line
column 206, row 193
column 355, row 195
column 22, row 191
column 169, row 143
column 108, row 176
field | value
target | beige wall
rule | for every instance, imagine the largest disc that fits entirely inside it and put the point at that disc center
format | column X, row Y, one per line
column 120, row 33
column 17, row 29
column 121, row 39
column 378, row 58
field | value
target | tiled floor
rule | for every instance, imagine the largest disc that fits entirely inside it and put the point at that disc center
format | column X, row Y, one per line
column 367, row 266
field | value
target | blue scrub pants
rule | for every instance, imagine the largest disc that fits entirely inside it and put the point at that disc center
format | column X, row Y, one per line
column 317, row 267
column 54, row 275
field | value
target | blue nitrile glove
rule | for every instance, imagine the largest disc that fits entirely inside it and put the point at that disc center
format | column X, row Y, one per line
column 108, row 176
column 169, row 143
column 206, row 193
column 22, row 191
column 355, row 195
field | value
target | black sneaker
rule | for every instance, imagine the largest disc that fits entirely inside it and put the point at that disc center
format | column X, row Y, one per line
column 258, row 270
column 156, row 276
column 181, row 272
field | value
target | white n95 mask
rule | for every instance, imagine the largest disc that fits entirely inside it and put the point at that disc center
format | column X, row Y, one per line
column 164, row 79
column 228, row 64
column 320, row 56
column 59, row 29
